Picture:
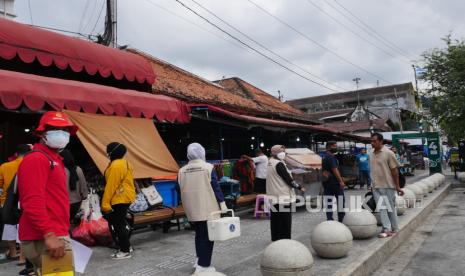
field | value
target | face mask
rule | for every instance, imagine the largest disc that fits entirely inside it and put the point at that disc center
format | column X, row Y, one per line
column 281, row 155
column 333, row 150
column 56, row 139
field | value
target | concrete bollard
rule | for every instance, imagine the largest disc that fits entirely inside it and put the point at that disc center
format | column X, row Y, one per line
column 422, row 186
column 409, row 197
column 401, row 205
column 418, row 191
column 362, row 224
column 331, row 239
column 286, row 257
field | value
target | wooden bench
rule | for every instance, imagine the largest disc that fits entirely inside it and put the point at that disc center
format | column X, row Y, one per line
column 162, row 215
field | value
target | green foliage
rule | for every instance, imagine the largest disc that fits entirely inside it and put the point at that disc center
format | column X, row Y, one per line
column 446, row 93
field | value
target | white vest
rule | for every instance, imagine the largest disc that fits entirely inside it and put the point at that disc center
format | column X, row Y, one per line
column 198, row 198
column 278, row 191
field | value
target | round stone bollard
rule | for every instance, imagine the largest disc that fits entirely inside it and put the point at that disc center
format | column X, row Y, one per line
column 401, row 205
column 331, row 239
column 285, row 258
column 429, row 183
column 418, row 191
column 409, row 197
column 423, row 187
column 362, row 224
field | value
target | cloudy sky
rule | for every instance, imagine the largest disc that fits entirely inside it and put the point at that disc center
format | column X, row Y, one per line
column 325, row 41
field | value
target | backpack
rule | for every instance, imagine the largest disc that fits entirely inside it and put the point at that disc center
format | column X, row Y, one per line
column 10, row 211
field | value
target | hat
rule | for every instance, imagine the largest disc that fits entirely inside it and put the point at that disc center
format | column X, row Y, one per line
column 56, row 119
column 276, row 149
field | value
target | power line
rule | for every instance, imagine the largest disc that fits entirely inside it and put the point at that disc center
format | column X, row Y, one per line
column 373, row 30
column 30, row 10
column 264, row 47
column 253, row 49
column 317, row 43
column 83, row 15
column 98, row 18
column 87, row 36
column 94, row 9
column 195, row 24
column 355, row 32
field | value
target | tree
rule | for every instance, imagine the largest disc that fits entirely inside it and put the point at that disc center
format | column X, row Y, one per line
column 445, row 72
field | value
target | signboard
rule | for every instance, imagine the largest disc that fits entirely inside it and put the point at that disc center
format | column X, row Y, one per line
column 434, row 147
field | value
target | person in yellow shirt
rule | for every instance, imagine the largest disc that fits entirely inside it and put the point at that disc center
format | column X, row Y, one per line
column 119, row 193
column 8, row 171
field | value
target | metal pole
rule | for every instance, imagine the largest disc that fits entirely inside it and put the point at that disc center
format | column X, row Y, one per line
column 415, row 75
column 398, row 110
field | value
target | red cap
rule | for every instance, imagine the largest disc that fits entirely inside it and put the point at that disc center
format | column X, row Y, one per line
column 56, row 119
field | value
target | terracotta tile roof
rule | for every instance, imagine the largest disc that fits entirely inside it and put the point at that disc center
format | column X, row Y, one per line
column 263, row 99
column 176, row 82
column 349, row 127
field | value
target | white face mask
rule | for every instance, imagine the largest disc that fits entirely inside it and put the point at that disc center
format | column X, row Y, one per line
column 281, row 155
column 56, row 139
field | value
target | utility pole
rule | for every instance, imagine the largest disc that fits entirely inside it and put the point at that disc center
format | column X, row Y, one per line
column 357, row 80
column 398, row 110
column 415, row 75
column 109, row 37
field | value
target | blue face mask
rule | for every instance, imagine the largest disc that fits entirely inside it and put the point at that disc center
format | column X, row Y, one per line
column 56, row 139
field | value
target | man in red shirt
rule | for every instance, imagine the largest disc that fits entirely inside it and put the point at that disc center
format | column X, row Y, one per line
column 43, row 194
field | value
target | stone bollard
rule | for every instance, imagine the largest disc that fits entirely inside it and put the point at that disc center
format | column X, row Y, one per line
column 331, row 239
column 362, row 223
column 409, row 197
column 401, row 205
column 418, row 191
column 286, row 257
column 422, row 186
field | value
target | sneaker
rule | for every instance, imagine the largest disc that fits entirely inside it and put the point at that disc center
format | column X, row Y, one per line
column 122, row 255
column 200, row 269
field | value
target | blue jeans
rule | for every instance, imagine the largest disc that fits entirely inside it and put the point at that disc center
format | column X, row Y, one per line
column 386, row 204
column 329, row 192
column 364, row 178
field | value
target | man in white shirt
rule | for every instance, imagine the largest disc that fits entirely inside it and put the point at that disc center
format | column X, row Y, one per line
column 261, row 164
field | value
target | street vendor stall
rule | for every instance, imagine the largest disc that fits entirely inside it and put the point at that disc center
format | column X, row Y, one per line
column 305, row 166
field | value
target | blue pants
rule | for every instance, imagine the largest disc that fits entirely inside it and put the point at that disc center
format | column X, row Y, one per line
column 364, row 178
column 336, row 191
column 203, row 246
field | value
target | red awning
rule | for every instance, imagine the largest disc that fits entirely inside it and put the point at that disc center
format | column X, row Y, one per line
column 50, row 48
column 34, row 91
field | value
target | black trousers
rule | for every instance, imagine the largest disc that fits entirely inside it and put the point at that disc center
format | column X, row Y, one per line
column 119, row 228
column 73, row 210
column 280, row 222
column 259, row 186
column 203, row 246
column 336, row 191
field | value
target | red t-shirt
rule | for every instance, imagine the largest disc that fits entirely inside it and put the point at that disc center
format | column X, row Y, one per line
column 43, row 195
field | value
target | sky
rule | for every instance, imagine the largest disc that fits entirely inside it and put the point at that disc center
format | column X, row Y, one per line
column 302, row 48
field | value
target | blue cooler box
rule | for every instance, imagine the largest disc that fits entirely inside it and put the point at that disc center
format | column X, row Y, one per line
column 230, row 187
column 167, row 190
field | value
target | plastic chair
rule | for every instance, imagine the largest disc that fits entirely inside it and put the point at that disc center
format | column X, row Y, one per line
column 260, row 207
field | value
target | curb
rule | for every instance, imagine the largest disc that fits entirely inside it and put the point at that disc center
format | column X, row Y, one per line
column 379, row 252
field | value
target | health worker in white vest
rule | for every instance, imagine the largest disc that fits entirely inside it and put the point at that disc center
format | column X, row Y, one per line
column 201, row 195
column 280, row 192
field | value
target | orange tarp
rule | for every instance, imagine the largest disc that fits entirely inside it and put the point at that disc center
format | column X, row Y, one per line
column 146, row 150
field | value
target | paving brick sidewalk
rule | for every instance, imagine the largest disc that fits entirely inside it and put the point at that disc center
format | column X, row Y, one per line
column 173, row 253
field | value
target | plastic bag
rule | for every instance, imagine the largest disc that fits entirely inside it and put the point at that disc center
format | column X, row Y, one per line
column 84, row 210
column 94, row 202
column 140, row 204
column 82, row 233
column 100, row 231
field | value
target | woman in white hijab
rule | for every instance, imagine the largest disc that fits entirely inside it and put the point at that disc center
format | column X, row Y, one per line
column 201, row 195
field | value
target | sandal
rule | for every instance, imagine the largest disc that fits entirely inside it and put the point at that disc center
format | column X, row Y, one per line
column 27, row 271
column 383, row 235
